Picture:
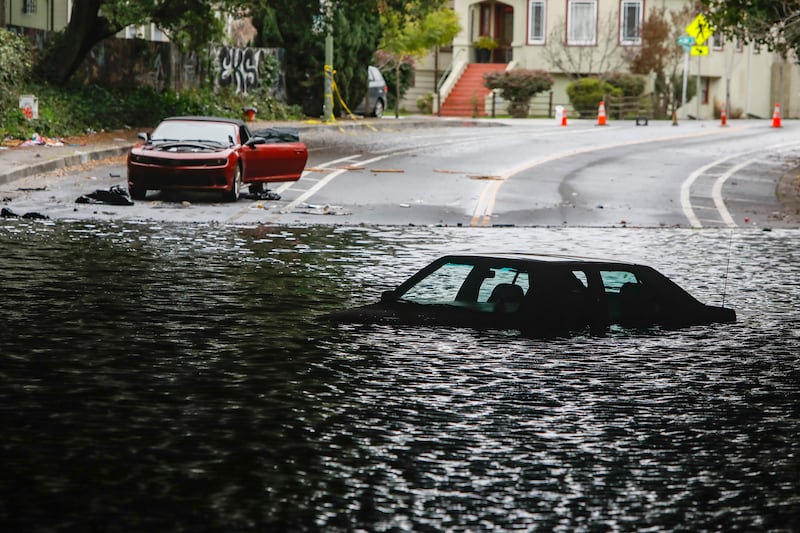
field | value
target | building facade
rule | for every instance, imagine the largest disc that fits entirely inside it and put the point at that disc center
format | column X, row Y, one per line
column 576, row 38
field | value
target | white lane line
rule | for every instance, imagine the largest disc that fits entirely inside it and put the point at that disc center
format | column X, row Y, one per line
column 686, row 186
column 716, row 192
column 686, row 190
column 286, row 185
column 323, row 182
column 482, row 214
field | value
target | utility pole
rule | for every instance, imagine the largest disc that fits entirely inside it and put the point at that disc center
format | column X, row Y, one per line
column 327, row 104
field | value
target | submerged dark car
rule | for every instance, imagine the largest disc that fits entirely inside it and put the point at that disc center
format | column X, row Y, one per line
column 216, row 154
column 536, row 294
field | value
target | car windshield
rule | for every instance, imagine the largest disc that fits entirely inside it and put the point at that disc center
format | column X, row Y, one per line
column 180, row 130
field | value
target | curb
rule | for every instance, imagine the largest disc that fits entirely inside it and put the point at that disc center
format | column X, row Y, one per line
column 62, row 162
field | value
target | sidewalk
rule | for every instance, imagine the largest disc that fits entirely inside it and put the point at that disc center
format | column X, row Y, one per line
column 20, row 162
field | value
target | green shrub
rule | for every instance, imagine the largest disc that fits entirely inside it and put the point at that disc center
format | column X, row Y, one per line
column 520, row 85
column 15, row 61
column 425, row 103
column 15, row 68
column 73, row 110
column 631, row 85
column 585, row 94
column 517, row 87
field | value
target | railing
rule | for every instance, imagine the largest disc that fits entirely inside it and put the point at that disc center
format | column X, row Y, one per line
column 450, row 77
column 541, row 105
column 632, row 107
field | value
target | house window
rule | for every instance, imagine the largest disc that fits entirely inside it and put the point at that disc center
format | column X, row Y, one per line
column 717, row 41
column 631, row 23
column 582, row 22
column 28, row 7
column 536, row 22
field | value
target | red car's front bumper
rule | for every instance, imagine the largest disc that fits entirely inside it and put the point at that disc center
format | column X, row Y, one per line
column 180, row 173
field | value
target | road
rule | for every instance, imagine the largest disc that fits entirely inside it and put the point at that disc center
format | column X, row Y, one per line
column 521, row 173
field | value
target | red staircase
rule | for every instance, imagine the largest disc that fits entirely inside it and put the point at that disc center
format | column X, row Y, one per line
column 468, row 96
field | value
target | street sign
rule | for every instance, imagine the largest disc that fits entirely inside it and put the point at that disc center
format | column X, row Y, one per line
column 698, row 50
column 686, row 40
column 700, row 29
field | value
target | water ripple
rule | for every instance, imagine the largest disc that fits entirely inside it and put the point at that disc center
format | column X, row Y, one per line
column 173, row 377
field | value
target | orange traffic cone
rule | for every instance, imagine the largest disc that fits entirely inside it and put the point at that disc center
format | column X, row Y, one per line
column 601, row 114
column 564, row 118
column 776, row 116
column 723, row 115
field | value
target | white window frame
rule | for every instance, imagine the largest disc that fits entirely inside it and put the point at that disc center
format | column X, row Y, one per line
column 540, row 7
column 581, row 32
column 717, row 41
column 625, row 37
column 28, row 7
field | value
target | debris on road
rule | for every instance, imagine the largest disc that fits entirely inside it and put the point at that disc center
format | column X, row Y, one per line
column 316, row 209
column 116, row 195
column 8, row 213
column 261, row 195
column 484, row 177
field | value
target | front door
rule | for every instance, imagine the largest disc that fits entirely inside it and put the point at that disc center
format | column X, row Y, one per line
column 497, row 21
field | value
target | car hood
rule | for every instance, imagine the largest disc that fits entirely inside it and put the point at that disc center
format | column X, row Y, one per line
column 181, row 147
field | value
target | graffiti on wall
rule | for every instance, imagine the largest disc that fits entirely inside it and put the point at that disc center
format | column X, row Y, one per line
column 243, row 69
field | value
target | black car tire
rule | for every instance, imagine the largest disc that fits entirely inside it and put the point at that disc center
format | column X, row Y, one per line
column 233, row 194
column 137, row 193
column 378, row 111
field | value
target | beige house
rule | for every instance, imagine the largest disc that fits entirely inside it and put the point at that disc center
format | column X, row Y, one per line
column 34, row 17
column 570, row 38
column 46, row 15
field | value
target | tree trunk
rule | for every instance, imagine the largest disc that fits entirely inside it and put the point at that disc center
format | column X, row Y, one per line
column 86, row 28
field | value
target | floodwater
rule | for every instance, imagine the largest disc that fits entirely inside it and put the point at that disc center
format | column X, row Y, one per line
column 173, row 378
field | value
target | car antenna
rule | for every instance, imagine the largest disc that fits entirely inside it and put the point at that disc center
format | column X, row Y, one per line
column 727, row 265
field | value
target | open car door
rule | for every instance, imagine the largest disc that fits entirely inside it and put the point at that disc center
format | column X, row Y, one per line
column 273, row 155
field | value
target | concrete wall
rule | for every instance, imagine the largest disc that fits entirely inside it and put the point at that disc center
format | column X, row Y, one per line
column 161, row 65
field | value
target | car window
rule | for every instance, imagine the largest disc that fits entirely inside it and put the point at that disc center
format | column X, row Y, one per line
column 502, row 276
column 178, row 130
column 613, row 280
column 440, row 286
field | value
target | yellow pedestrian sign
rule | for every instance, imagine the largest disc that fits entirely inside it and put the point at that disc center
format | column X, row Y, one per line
column 700, row 29
column 698, row 50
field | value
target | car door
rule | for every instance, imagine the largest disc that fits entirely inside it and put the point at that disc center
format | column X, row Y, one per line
column 273, row 161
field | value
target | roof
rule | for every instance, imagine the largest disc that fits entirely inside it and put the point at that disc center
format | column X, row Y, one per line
column 538, row 258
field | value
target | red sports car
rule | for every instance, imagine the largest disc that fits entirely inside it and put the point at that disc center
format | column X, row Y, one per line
column 217, row 154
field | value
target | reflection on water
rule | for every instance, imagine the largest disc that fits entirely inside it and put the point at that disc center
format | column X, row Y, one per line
column 173, row 378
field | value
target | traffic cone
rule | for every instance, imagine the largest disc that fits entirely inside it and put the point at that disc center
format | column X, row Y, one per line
column 723, row 115
column 564, row 117
column 601, row 114
column 776, row 116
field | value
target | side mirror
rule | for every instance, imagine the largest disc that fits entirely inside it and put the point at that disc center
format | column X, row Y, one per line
column 253, row 141
column 144, row 136
column 388, row 296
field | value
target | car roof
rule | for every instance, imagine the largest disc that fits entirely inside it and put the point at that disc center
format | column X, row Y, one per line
column 234, row 121
column 537, row 258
